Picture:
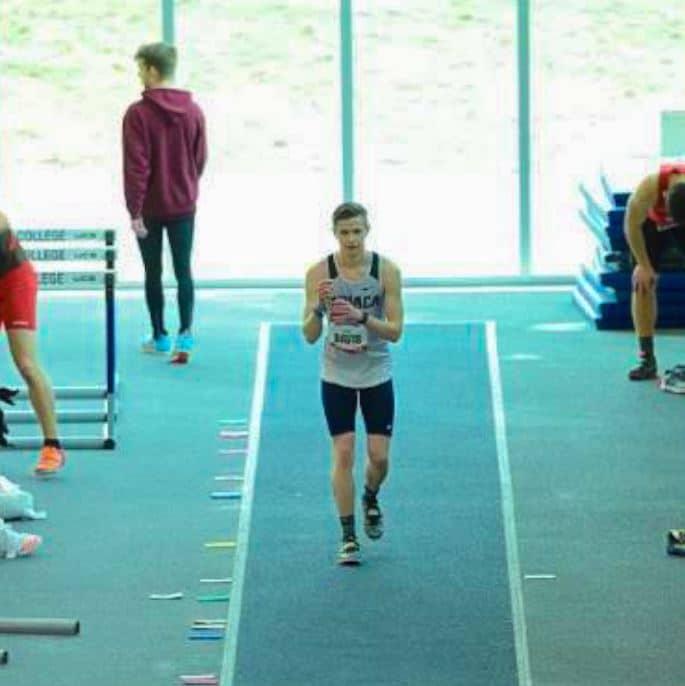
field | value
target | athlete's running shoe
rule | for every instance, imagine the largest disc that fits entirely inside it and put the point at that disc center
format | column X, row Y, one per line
column 675, row 542
column 160, row 345
column 29, row 544
column 674, row 380
column 373, row 519
column 50, row 461
column 183, row 348
column 645, row 370
column 184, row 342
column 349, row 553
column 19, row 544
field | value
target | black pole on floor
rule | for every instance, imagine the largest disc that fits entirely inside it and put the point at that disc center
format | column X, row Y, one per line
column 48, row 627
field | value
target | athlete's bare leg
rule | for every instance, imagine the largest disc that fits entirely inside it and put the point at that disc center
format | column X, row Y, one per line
column 378, row 449
column 22, row 344
column 644, row 311
column 342, row 476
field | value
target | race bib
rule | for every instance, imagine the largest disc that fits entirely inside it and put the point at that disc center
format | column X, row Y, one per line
column 351, row 338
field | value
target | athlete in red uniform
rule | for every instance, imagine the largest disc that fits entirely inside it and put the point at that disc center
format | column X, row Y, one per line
column 655, row 220
column 18, row 292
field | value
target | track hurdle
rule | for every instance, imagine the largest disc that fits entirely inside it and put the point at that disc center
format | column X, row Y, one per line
column 71, row 249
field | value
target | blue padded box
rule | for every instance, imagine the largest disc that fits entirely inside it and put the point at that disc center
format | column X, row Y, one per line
column 621, row 319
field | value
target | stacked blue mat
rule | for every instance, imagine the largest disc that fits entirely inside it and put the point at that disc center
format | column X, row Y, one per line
column 603, row 286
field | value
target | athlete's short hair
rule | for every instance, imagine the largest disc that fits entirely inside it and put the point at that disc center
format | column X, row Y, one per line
column 161, row 56
column 675, row 203
column 349, row 210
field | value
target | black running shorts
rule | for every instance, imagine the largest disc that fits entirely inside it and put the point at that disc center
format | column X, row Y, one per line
column 340, row 407
column 658, row 242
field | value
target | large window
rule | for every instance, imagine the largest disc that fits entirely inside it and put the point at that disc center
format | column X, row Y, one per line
column 435, row 123
column 436, row 133
column 602, row 72
column 67, row 75
column 266, row 74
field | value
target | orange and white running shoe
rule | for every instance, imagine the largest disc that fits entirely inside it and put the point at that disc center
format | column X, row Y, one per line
column 50, row 461
column 14, row 544
column 29, row 543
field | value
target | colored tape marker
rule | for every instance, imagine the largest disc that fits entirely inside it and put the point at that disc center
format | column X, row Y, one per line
column 233, row 422
column 205, row 637
column 537, row 577
column 225, row 580
column 199, row 679
column 227, row 495
column 165, row 596
column 234, row 451
column 216, row 598
column 220, row 544
column 229, row 477
column 233, row 435
column 208, row 628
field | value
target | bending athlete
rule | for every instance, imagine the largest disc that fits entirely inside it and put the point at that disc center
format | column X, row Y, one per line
column 654, row 223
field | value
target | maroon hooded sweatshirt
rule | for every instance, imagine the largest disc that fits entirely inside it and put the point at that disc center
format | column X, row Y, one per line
column 165, row 151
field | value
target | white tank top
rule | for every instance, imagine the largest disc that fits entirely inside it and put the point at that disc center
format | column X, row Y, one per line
column 371, row 366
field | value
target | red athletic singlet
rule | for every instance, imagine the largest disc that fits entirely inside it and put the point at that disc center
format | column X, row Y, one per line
column 11, row 252
column 658, row 212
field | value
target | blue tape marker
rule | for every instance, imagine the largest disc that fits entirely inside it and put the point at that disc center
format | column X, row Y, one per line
column 227, row 495
column 206, row 636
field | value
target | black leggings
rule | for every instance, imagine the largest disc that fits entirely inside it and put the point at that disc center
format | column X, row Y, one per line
column 180, row 235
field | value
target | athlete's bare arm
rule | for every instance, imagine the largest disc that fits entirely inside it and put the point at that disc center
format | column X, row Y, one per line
column 641, row 200
column 390, row 328
column 312, row 324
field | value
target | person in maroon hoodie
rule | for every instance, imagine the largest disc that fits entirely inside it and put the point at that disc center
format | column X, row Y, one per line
column 164, row 150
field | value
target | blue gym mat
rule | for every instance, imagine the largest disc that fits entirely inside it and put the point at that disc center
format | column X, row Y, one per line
column 431, row 604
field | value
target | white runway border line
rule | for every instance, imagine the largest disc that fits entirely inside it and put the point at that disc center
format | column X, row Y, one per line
column 243, row 535
column 508, row 513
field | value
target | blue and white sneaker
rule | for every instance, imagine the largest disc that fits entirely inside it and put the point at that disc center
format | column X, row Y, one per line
column 184, row 342
column 349, row 553
column 157, row 346
column 373, row 519
column 673, row 380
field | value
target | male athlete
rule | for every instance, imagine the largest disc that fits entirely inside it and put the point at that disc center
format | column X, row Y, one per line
column 18, row 293
column 654, row 221
column 360, row 293
column 164, row 151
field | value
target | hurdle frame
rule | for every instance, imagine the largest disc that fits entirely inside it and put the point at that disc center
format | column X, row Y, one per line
column 76, row 280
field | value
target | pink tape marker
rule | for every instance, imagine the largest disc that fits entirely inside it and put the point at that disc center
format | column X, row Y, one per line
column 199, row 679
column 233, row 435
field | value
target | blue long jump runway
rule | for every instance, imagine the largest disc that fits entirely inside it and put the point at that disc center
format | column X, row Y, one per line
column 431, row 605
